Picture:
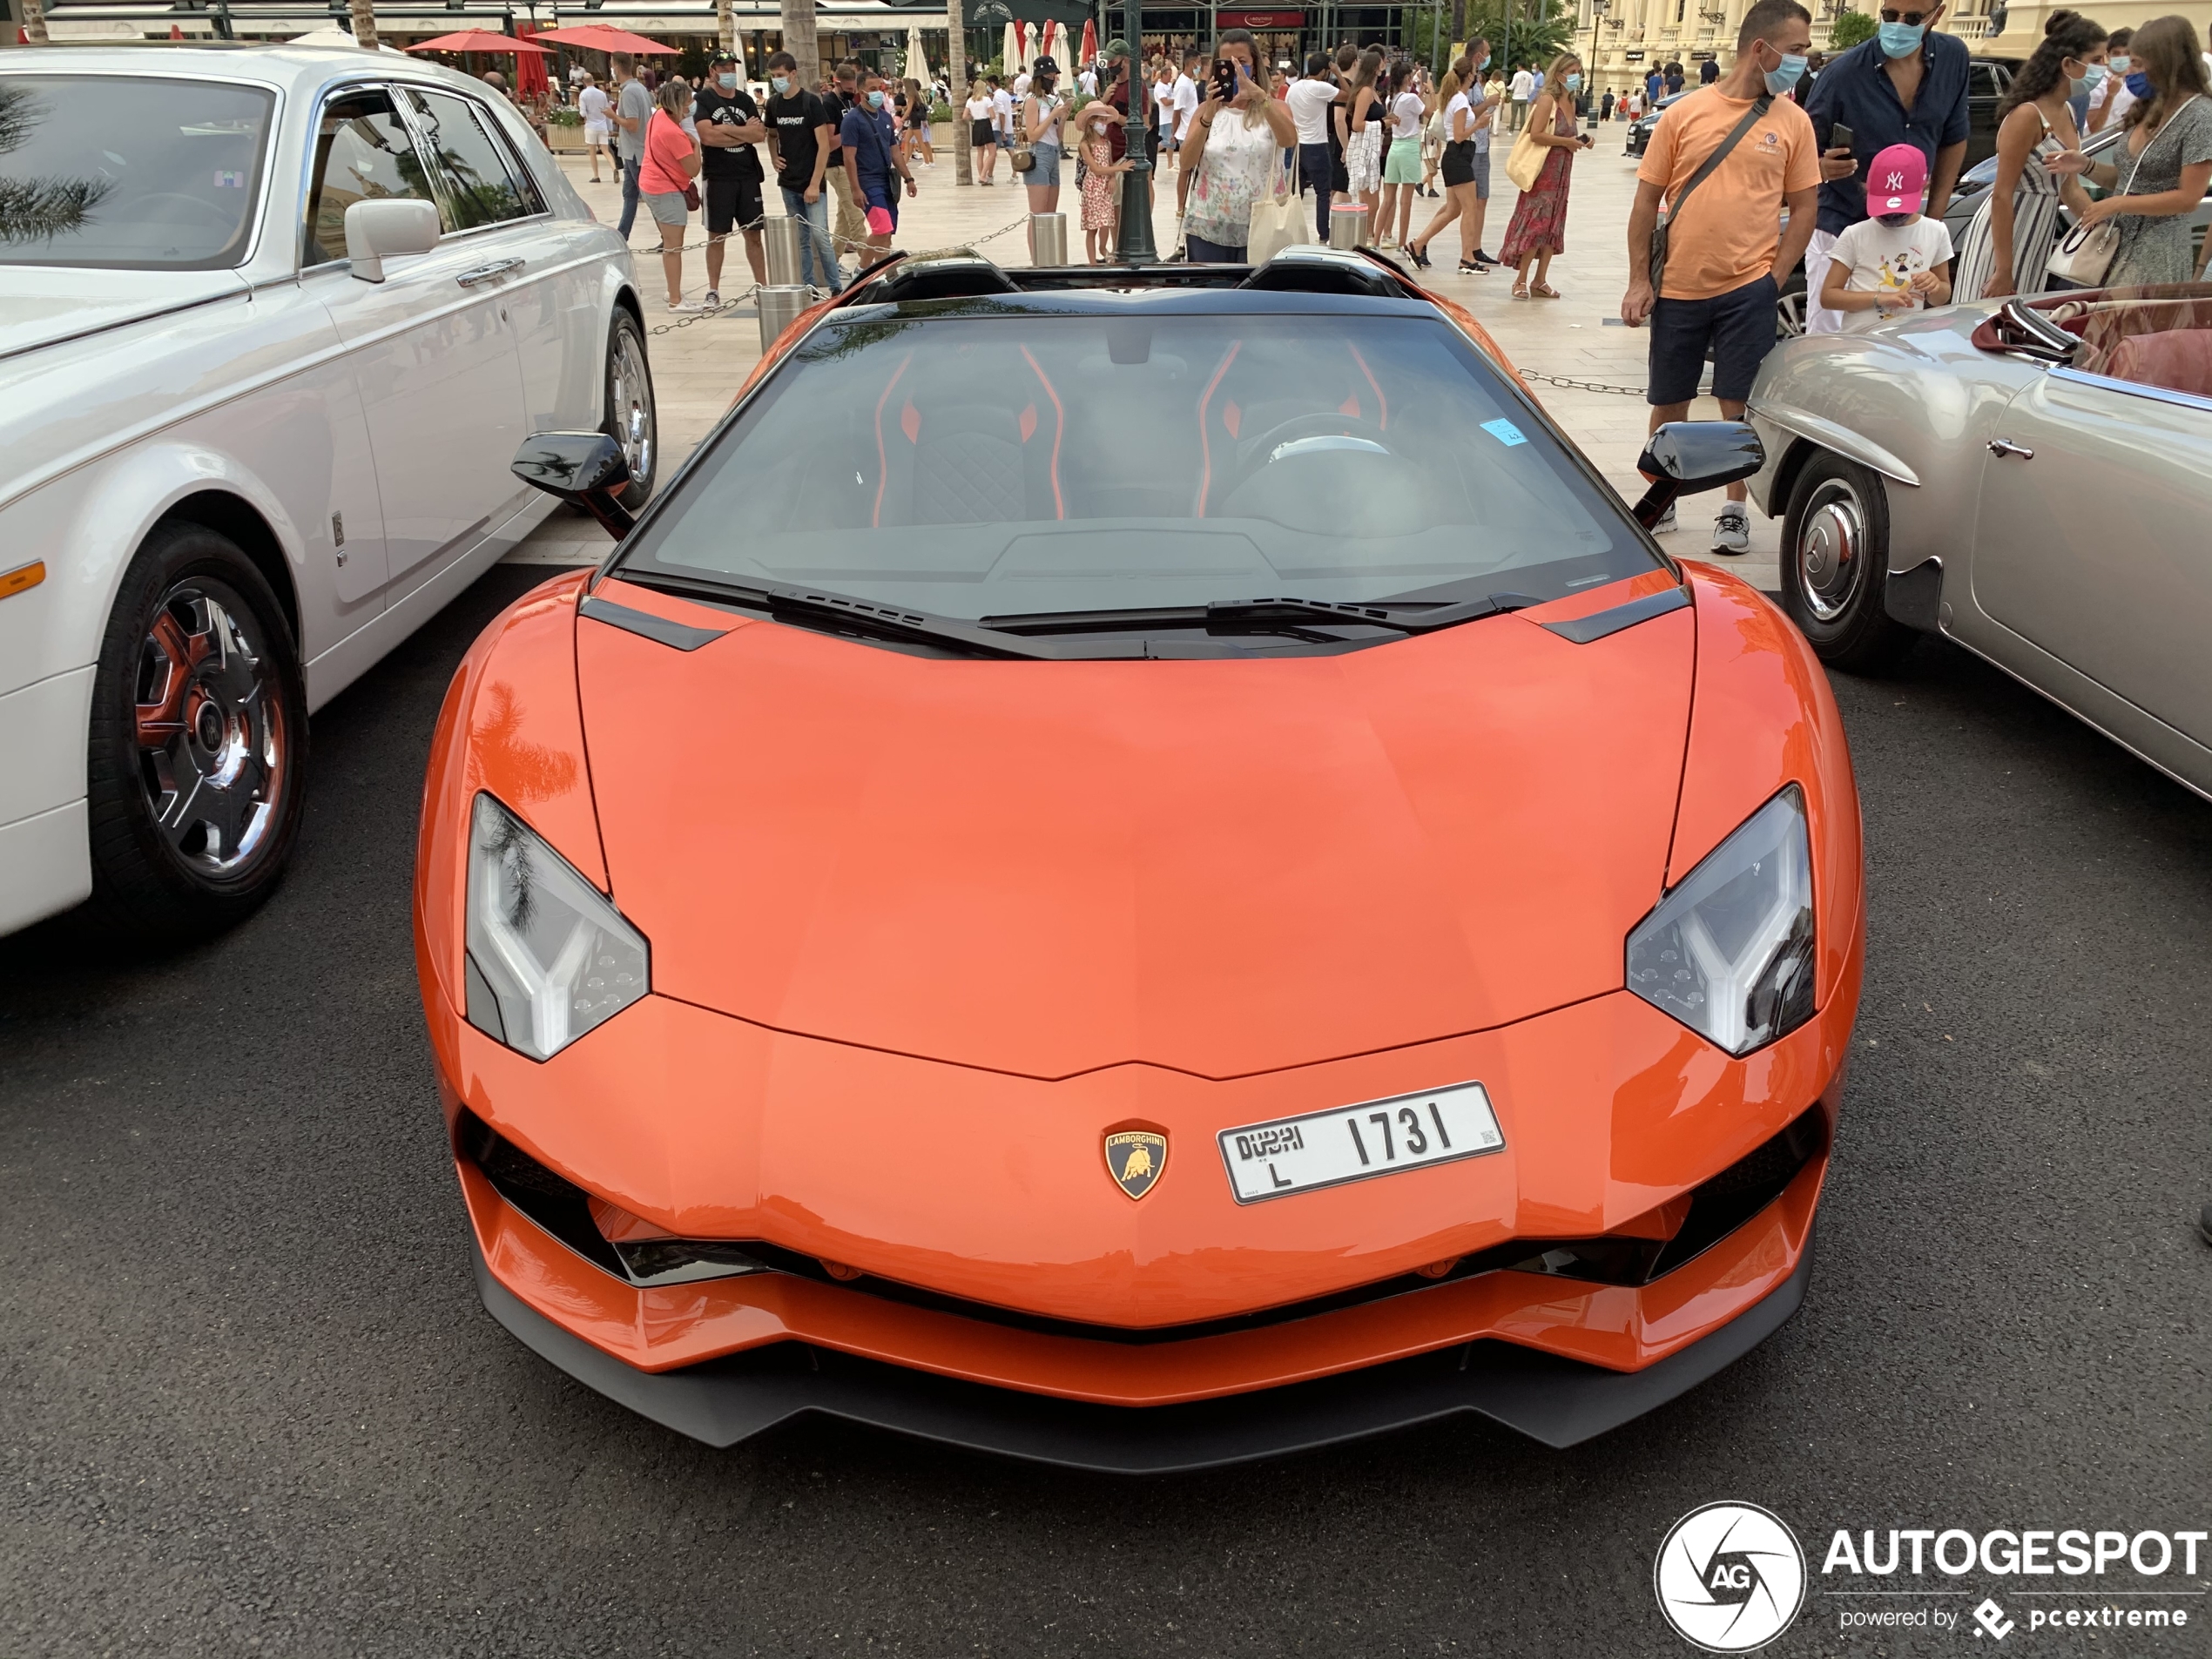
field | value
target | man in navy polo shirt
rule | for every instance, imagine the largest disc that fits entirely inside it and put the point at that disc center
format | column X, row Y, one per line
column 1906, row 85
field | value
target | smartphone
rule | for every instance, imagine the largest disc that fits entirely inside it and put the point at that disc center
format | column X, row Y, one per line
column 1839, row 136
column 1224, row 80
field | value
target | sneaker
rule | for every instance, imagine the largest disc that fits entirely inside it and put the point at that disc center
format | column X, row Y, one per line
column 1666, row 526
column 1480, row 258
column 710, row 301
column 687, row 308
column 1733, row 529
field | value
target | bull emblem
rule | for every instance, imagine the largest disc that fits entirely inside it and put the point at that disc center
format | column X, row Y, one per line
column 1135, row 1159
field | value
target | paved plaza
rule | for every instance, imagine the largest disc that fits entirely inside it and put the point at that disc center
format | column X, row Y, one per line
column 698, row 368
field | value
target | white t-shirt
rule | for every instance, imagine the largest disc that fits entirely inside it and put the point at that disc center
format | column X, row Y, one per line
column 1406, row 116
column 1022, row 84
column 1460, row 104
column 1524, row 85
column 1885, row 259
column 1088, row 81
column 1002, row 101
column 1186, row 104
column 591, row 105
column 1309, row 101
column 1164, row 105
column 979, row 108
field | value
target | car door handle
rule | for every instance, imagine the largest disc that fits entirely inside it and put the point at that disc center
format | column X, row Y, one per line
column 2006, row 447
column 486, row 273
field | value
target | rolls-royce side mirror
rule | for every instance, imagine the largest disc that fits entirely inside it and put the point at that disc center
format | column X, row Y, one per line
column 382, row 230
column 583, row 468
column 1686, row 457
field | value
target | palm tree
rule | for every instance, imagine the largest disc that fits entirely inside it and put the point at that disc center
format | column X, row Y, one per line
column 956, row 88
column 364, row 23
column 34, row 210
column 801, row 40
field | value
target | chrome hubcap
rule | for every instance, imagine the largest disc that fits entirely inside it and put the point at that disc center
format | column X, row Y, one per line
column 210, row 724
column 629, row 400
column 1831, row 551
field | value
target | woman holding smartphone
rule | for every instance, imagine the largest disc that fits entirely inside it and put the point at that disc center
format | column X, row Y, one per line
column 1235, row 139
column 1538, row 227
column 2008, row 245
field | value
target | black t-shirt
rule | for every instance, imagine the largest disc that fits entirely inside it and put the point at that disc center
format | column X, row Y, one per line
column 837, row 103
column 730, row 110
column 793, row 120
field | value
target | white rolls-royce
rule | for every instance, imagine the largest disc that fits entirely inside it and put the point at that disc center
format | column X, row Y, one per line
column 273, row 324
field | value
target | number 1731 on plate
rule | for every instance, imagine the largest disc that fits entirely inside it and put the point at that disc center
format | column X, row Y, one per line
column 1356, row 1142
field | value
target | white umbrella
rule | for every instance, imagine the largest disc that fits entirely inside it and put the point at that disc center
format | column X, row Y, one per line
column 331, row 34
column 917, row 61
column 1012, row 52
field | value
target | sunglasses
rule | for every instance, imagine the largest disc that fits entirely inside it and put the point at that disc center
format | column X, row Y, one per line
column 1911, row 19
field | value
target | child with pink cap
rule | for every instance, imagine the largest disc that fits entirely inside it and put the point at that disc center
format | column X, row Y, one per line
column 1896, row 259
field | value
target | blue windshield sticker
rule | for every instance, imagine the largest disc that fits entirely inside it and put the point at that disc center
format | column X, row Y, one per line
column 1504, row 432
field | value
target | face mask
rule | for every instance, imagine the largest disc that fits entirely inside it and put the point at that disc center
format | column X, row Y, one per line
column 1897, row 221
column 1484, row 65
column 2119, row 65
column 875, row 100
column 1901, row 39
column 2091, row 78
column 1573, row 82
column 1779, row 81
column 781, row 83
column 728, row 83
column 2139, row 83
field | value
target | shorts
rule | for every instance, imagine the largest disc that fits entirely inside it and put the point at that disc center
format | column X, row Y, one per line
column 598, row 132
column 1737, row 325
column 882, row 199
column 1403, row 165
column 730, row 203
column 667, row 206
column 1466, row 164
column 1045, row 174
column 982, row 135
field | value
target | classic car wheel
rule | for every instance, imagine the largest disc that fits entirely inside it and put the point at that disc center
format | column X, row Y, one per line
column 631, row 420
column 198, row 744
column 1835, row 561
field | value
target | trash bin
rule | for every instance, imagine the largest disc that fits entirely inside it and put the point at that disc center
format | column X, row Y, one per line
column 1048, row 239
column 779, row 308
column 1348, row 225
column 780, row 234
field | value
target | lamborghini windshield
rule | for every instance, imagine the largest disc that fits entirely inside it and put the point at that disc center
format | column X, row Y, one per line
column 1017, row 464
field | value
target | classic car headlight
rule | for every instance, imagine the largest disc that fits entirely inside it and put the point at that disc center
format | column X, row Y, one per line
column 1728, row 952
column 549, row 956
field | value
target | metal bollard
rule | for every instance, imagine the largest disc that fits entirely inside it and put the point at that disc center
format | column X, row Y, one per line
column 1048, row 239
column 1348, row 225
column 781, row 234
column 779, row 308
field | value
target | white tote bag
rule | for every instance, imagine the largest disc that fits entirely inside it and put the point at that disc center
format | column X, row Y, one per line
column 1279, row 220
column 2085, row 253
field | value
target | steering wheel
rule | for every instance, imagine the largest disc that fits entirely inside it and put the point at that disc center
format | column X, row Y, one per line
column 1254, row 455
column 222, row 220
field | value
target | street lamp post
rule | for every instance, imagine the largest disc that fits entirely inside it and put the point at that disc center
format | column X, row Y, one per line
column 1134, row 244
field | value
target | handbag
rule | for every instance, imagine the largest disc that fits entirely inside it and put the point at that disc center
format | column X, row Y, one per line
column 1656, row 263
column 1279, row 220
column 1526, row 164
column 2085, row 253
column 691, row 197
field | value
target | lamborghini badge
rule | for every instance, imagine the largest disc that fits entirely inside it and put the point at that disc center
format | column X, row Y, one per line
column 1134, row 1159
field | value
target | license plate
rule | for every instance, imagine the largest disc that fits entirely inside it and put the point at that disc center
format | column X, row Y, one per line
column 1354, row 1143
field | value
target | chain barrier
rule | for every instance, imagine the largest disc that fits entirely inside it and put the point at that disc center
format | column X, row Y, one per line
column 1582, row 386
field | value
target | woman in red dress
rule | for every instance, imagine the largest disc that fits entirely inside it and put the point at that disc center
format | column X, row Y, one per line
column 1538, row 227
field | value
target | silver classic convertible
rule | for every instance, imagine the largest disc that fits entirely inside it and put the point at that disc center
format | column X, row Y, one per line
column 2032, row 480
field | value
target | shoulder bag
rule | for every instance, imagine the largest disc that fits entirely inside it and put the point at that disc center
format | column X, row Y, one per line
column 1658, row 263
column 1524, row 166
column 1279, row 220
column 2085, row 253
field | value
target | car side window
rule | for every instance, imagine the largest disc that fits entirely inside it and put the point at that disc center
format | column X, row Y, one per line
column 363, row 152
column 483, row 182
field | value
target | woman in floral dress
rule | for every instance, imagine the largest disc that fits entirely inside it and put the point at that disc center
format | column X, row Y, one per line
column 1101, row 180
column 1538, row 227
column 1233, row 148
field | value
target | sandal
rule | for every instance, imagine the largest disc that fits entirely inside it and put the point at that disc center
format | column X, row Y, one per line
column 1521, row 290
column 1419, row 255
column 1544, row 291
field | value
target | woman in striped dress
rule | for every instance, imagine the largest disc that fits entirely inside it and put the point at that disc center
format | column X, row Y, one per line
column 2009, row 243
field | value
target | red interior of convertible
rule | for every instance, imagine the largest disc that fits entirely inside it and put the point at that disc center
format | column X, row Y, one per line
column 2155, row 337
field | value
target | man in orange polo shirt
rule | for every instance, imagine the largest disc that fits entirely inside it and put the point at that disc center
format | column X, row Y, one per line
column 1727, row 250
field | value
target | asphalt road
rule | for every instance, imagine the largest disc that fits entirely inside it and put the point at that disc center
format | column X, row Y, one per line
column 250, row 1402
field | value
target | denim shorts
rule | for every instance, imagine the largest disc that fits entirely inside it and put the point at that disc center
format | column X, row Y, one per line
column 1047, row 172
column 1739, row 326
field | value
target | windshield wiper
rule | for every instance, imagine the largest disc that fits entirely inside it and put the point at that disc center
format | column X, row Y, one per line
column 841, row 613
column 1264, row 616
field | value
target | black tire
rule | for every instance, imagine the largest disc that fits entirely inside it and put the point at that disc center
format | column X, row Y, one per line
column 631, row 420
column 1836, row 563
column 197, row 755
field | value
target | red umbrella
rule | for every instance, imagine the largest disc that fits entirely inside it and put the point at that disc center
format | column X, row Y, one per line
column 604, row 37
column 1090, row 41
column 478, row 40
column 529, row 70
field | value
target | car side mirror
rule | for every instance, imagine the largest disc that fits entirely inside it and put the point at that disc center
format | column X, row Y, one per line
column 586, row 469
column 377, row 231
column 1685, row 456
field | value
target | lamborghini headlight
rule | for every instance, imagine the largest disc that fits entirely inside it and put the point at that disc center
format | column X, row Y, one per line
column 1730, row 952
column 549, row 956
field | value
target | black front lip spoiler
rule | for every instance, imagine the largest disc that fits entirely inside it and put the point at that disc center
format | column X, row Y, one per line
column 1559, row 1402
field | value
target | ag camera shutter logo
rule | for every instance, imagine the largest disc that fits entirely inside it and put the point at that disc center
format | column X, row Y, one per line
column 1730, row 1577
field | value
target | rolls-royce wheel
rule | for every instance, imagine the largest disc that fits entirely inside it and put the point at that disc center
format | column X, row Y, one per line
column 1834, row 562
column 631, row 420
column 199, row 741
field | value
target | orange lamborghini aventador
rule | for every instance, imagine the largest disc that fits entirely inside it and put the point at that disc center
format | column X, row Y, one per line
column 1140, row 868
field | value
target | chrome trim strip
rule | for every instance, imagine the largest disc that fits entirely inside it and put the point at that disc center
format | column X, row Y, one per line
column 241, row 292
column 2135, row 389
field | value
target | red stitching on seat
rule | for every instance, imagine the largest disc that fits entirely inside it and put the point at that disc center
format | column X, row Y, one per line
column 1232, row 416
column 910, row 423
column 1028, row 423
column 1059, row 425
column 1205, row 450
column 882, row 463
column 1384, row 402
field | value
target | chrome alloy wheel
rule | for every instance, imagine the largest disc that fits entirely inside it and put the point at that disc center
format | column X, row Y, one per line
column 629, row 403
column 210, row 722
column 1830, row 566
